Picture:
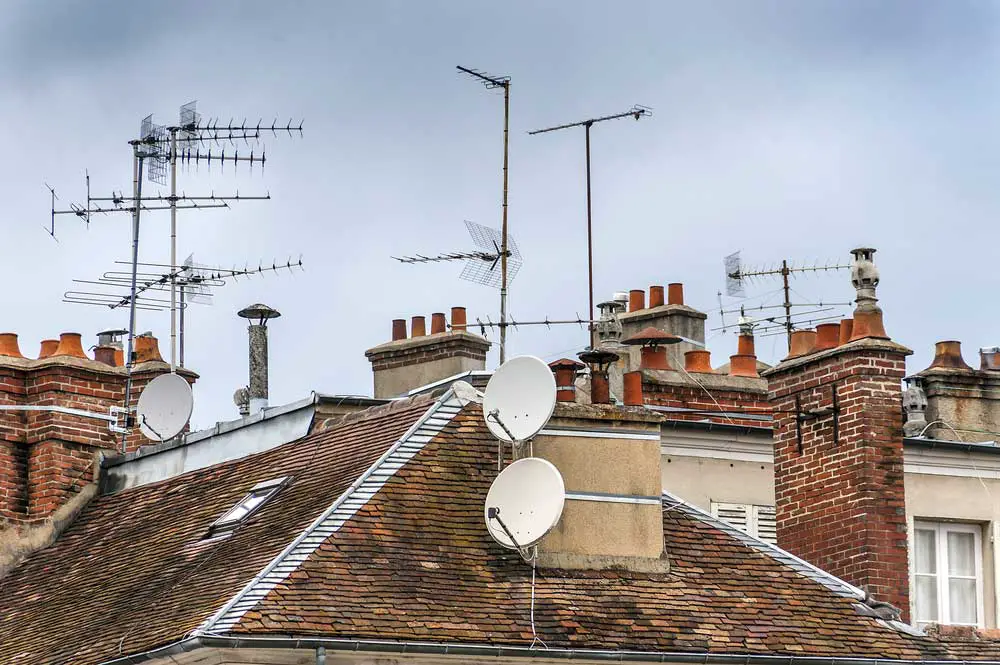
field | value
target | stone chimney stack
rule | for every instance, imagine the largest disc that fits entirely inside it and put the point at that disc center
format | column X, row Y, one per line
column 838, row 449
column 672, row 317
column 405, row 363
column 258, row 315
column 959, row 397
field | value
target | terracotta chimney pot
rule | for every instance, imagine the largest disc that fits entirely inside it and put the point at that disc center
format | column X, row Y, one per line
column 438, row 323
column 119, row 357
column 418, row 326
column 147, row 349
column 846, row 329
column 636, row 300
column 458, row 321
column 565, row 371
column 105, row 354
column 655, row 296
column 633, row 388
column 600, row 391
column 70, row 345
column 827, row 336
column 698, row 360
column 868, row 324
column 398, row 329
column 745, row 346
column 949, row 354
column 675, row 294
column 8, row 345
column 743, row 365
column 803, row 343
column 49, row 347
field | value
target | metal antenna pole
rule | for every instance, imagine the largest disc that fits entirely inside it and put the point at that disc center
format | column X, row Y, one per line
column 503, row 231
column 635, row 112
column 182, row 326
column 788, row 303
column 173, row 250
column 130, row 358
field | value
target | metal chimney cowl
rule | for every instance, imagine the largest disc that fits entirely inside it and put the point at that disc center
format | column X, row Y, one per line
column 258, row 316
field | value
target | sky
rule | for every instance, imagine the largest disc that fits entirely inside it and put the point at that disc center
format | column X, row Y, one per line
column 781, row 130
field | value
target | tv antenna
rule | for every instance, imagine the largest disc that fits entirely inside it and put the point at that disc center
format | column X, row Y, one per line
column 195, row 284
column 160, row 149
column 737, row 275
column 636, row 112
column 492, row 82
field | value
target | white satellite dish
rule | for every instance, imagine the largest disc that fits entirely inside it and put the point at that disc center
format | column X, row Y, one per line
column 164, row 407
column 524, row 502
column 522, row 395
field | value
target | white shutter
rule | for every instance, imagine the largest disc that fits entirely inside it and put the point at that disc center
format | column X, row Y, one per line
column 767, row 529
column 732, row 513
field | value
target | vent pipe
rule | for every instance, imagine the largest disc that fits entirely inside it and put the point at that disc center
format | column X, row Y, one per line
column 258, row 316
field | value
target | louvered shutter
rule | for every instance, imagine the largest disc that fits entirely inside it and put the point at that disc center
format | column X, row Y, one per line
column 766, row 524
column 732, row 513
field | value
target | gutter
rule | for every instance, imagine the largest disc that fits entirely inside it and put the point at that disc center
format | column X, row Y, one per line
column 371, row 647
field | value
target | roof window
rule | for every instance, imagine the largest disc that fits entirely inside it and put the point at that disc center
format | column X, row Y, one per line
column 258, row 495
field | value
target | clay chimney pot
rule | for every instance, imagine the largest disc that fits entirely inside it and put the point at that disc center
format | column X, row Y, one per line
column 438, row 323
column 70, row 345
column 398, row 329
column 803, row 343
column 868, row 324
column 105, row 354
column 745, row 346
column 458, row 321
column 675, row 294
column 147, row 349
column 119, row 357
column 418, row 326
column 49, row 347
column 743, row 365
column 948, row 354
column 827, row 336
column 633, row 388
column 636, row 300
column 698, row 360
column 846, row 329
column 565, row 371
column 655, row 296
column 8, row 346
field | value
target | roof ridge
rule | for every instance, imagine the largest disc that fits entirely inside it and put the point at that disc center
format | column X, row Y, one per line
column 375, row 411
column 436, row 418
column 801, row 566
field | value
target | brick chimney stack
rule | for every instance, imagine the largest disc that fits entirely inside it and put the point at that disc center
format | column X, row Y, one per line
column 838, row 450
column 405, row 363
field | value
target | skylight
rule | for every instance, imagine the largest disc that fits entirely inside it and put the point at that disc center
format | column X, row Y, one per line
column 247, row 506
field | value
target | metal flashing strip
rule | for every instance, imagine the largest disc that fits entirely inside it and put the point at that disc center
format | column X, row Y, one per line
column 613, row 498
column 333, row 518
column 804, row 568
column 642, row 435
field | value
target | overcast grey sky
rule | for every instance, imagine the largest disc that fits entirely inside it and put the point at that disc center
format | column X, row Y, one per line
column 780, row 129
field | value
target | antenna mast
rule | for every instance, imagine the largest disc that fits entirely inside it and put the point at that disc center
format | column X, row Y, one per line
column 635, row 112
column 492, row 82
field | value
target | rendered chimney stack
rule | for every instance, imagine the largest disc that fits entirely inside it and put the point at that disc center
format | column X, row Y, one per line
column 258, row 315
column 404, row 364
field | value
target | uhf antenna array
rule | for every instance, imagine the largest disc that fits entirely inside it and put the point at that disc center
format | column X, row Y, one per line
column 160, row 149
column 737, row 276
column 481, row 263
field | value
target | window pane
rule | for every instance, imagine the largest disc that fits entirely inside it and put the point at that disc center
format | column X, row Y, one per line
column 925, row 557
column 962, row 600
column 927, row 598
column 961, row 553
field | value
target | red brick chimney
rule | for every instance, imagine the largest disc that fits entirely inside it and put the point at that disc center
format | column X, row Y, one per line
column 48, row 452
column 838, row 452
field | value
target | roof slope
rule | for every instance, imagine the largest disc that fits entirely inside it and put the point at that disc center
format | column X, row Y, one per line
column 133, row 572
column 415, row 563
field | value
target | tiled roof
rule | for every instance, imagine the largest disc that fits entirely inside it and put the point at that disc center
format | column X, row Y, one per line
column 379, row 536
column 133, row 571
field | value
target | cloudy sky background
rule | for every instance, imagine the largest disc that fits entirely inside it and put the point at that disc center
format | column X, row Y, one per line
column 784, row 130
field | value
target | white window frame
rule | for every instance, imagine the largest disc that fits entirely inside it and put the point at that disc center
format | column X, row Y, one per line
column 751, row 516
column 226, row 524
column 941, row 531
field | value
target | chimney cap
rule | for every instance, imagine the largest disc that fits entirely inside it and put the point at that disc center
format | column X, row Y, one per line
column 112, row 333
column 258, row 312
column 597, row 356
column 566, row 362
column 651, row 336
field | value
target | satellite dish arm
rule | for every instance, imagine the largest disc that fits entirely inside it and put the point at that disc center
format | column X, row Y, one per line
column 493, row 512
